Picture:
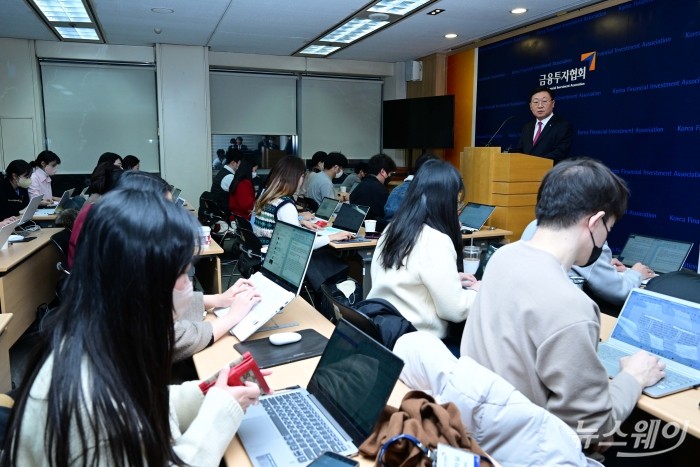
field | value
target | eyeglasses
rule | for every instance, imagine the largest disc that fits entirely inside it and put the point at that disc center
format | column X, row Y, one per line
column 537, row 102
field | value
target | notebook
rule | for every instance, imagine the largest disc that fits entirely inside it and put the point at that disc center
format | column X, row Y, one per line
column 281, row 276
column 661, row 325
column 659, row 254
column 59, row 207
column 474, row 216
column 349, row 219
column 326, row 208
column 5, row 233
column 346, row 395
column 30, row 209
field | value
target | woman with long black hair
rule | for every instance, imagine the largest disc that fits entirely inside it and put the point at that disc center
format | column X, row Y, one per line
column 96, row 392
column 418, row 261
column 13, row 188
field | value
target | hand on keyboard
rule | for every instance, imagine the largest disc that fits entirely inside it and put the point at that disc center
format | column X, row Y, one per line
column 645, row 368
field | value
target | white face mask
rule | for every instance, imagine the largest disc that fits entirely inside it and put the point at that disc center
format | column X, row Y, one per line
column 182, row 299
column 24, row 182
column 254, row 174
column 340, row 172
column 51, row 170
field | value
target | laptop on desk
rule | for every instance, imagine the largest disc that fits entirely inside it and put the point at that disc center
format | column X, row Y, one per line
column 349, row 219
column 661, row 255
column 6, row 232
column 338, row 410
column 59, row 207
column 474, row 216
column 280, row 277
column 661, row 325
column 326, row 209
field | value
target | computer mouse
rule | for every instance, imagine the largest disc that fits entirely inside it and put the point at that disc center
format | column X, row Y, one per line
column 15, row 238
column 283, row 338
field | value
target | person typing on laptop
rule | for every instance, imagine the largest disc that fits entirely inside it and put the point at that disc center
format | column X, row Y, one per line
column 531, row 325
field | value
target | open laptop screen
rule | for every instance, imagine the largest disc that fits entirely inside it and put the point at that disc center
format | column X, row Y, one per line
column 288, row 255
column 327, row 208
column 659, row 254
column 475, row 215
column 663, row 325
column 354, row 378
column 350, row 217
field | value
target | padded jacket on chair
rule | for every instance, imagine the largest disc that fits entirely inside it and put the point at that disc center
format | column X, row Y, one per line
column 386, row 317
column 507, row 425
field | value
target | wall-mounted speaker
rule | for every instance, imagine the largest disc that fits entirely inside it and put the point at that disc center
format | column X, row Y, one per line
column 414, row 70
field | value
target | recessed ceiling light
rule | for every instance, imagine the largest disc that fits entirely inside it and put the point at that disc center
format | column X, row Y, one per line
column 436, row 11
column 450, row 35
column 397, row 7
column 518, row 11
column 163, row 11
column 71, row 20
column 319, row 50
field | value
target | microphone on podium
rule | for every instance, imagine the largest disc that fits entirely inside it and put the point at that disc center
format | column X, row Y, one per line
column 499, row 129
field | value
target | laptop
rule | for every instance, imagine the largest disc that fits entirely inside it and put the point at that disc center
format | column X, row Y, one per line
column 176, row 193
column 180, row 202
column 280, row 277
column 346, row 396
column 660, row 254
column 349, row 219
column 474, row 216
column 30, row 210
column 661, row 325
column 5, row 233
column 59, row 207
column 326, row 209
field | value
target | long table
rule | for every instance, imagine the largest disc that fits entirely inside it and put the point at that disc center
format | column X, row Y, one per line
column 303, row 316
column 28, row 277
column 365, row 250
column 208, row 268
column 678, row 408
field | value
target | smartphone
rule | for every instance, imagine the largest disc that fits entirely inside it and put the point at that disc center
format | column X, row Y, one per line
column 331, row 459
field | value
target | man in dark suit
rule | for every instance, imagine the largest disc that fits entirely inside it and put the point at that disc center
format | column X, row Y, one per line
column 548, row 136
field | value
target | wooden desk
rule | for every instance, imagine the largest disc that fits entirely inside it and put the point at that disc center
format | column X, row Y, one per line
column 208, row 268
column 5, row 373
column 28, row 279
column 365, row 250
column 679, row 408
column 212, row 359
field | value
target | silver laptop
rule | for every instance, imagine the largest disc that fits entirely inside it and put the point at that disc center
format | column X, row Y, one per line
column 326, row 208
column 5, row 233
column 176, row 193
column 338, row 410
column 660, row 254
column 59, row 207
column 474, row 216
column 349, row 219
column 30, row 210
column 661, row 325
column 281, row 276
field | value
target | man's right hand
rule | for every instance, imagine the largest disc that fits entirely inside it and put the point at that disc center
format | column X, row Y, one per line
column 647, row 369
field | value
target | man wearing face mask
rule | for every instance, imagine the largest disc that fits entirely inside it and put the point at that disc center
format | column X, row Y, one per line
column 372, row 190
column 531, row 325
column 192, row 333
column 322, row 187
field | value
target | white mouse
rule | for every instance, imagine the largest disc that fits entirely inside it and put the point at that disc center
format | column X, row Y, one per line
column 284, row 338
column 15, row 238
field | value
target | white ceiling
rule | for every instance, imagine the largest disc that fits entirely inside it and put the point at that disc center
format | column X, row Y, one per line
column 280, row 27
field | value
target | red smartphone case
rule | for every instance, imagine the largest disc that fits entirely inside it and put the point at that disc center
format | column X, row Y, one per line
column 241, row 370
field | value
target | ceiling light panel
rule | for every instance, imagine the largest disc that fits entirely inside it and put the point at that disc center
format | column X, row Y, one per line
column 397, row 7
column 353, row 30
column 319, row 50
column 86, row 34
column 67, row 11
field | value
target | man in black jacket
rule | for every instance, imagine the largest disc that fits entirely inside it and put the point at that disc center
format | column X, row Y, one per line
column 372, row 191
column 548, row 135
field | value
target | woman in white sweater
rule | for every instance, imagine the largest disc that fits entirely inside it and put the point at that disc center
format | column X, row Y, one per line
column 96, row 393
column 418, row 261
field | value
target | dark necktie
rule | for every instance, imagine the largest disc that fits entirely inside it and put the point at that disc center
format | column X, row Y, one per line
column 539, row 132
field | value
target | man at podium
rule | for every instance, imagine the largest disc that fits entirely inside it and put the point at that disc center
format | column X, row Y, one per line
column 548, row 135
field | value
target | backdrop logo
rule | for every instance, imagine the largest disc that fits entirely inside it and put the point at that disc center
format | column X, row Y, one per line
column 589, row 57
column 572, row 77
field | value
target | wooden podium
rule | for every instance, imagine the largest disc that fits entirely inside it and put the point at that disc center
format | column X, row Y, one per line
column 508, row 181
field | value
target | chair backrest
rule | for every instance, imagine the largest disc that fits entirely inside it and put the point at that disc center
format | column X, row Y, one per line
column 359, row 320
column 307, row 203
column 251, row 257
column 60, row 240
column 210, row 214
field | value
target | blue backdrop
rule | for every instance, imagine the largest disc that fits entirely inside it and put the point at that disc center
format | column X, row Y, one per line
column 628, row 79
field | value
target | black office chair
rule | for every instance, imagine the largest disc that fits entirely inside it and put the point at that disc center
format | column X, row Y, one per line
column 211, row 214
column 60, row 240
column 249, row 247
column 308, row 204
column 355, row 317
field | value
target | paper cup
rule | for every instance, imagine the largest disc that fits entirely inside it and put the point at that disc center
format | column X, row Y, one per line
column 343, row 189
column 370, row 226
column 204, row 236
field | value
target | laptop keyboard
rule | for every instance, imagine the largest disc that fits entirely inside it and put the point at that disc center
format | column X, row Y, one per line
column 304, row 430
column 609, row 354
